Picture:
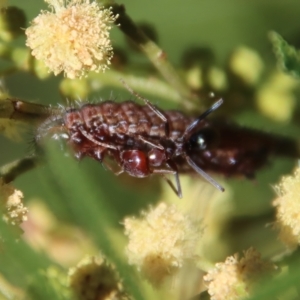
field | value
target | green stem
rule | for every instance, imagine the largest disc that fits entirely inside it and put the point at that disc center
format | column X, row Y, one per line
column 156, row 55
column 16, row 109
column 12, row 170
column 153, row 86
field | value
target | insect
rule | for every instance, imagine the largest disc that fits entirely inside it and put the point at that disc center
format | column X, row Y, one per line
column 145, row 140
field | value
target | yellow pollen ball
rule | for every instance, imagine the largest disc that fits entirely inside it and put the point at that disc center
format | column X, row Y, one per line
column 73, row 39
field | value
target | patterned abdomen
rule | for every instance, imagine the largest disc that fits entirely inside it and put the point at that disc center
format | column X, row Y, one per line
column 144, row 140
column 114, row 123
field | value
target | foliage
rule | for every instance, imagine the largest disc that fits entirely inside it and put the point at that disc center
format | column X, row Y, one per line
column 288, row 56
column 82, row 220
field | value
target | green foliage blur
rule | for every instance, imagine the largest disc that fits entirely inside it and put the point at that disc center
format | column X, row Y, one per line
column 86, row 195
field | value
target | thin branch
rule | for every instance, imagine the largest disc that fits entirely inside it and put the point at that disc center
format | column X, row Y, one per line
column 11, row 171
column 151, row 86
column 156, row 55
column 16, row 109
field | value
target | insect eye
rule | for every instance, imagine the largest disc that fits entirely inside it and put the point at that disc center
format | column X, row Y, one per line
column 200, row 141
column 203, row 139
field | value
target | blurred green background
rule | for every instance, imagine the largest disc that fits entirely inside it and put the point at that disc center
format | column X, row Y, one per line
column 222, row 26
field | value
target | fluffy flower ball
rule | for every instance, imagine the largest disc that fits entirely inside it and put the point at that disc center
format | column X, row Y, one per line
column 236, row 278
column 160, row 242
column 94, row 278
column 15, row 213
column 288, row 209
column 73, row 38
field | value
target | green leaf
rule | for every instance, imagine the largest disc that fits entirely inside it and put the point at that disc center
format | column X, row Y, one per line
column 90, row 209
column 287, row 56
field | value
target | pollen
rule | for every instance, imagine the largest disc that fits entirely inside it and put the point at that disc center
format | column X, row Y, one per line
column 160, row 242
column 288, row 209
column 95, row 278
column 15, row 213
column 236, row 278
column 73, row 38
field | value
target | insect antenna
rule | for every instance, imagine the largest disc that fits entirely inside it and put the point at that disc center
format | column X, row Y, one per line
column 195, row 123
column 204, row 174
column 187, row 133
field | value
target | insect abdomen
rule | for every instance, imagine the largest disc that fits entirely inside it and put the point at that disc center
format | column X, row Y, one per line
column 110, row 120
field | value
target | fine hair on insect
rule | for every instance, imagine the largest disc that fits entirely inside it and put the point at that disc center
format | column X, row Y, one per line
column 142, row 139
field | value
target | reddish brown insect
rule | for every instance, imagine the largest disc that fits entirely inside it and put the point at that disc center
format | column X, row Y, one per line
column 145, row 140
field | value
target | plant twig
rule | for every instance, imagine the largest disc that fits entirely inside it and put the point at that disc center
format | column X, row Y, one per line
column 152, row 86
column 16, row 109
column 156, row 55
column 12, row 170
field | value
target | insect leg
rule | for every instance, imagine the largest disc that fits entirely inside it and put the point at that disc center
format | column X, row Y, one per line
column 147, row 102
column 173, row 166
column 164, row 172
column 172, row 186
column 158, row 146
column 91, row 138
column 150, row 105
